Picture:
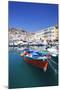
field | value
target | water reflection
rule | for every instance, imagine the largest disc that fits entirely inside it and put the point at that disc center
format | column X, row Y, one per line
column 22, row 74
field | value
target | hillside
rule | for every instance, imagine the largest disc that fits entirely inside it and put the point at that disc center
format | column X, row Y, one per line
column 19, row 35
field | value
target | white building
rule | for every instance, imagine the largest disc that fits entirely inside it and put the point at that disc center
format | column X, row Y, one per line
column 50, row 33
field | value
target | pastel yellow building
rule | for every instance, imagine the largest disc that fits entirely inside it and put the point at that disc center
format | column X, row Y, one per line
column 55, row 34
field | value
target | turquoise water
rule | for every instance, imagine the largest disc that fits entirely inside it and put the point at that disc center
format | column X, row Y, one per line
column 22, row 75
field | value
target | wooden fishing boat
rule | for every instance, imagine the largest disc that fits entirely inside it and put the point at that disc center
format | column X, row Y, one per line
column 40, row 62
column 38, row 59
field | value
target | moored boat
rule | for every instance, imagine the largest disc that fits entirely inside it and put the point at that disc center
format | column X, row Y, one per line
column 54, row 51
column 38, row 59
column 40, row 62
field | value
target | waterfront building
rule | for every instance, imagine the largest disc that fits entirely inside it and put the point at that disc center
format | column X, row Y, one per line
column 48, row 34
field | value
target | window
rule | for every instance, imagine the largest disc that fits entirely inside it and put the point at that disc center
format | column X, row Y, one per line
column 51, row 28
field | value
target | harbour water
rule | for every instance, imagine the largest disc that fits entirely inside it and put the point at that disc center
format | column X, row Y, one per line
column 22, row 74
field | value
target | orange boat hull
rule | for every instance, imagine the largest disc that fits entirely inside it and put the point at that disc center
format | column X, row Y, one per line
column 38, row 63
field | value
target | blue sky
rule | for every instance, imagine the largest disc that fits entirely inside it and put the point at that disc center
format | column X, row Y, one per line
column 31, row 16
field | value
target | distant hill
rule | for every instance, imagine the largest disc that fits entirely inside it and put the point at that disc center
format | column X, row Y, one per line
column 19, row 35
